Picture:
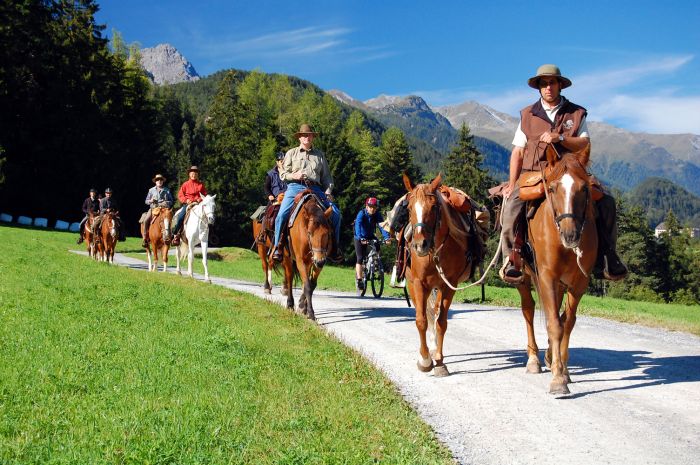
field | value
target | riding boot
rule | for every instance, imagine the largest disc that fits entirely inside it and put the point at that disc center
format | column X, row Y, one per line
column 512, row 273
column 176, row 240
column 277, row 253
column 608, row 265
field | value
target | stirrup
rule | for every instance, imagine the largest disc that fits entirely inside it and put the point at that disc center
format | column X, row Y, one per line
column 510, row 279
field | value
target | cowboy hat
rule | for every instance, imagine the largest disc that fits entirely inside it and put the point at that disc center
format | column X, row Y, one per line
column 157, row 177
column 193, row 168
column 548, row 70
column 305, row 129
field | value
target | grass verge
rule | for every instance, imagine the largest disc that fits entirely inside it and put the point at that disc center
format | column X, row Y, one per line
column 102, row 364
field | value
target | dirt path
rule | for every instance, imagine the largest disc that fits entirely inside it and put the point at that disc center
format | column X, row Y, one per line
column 635, row 398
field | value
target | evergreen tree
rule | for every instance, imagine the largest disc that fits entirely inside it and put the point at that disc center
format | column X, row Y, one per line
column 463, row 168
column 395, row 160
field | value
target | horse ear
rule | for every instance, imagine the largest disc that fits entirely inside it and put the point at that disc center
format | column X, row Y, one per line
column 328, row 212
column 200, row 194
column 584, row 156
column 213, row 196
column 407, row 182
column 551, row 154
column 435, row 183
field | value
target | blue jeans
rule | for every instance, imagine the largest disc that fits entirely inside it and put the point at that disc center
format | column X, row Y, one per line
column 293, row 189
column 177, row 219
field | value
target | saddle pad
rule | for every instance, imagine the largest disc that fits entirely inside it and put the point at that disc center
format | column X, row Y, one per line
column 302, row 200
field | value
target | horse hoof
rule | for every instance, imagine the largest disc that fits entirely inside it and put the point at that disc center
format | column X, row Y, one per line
column 284, row 291
column 425, row 368
column 311, row 317
column 208, row 281
column 441, row 371
column 267, row 291
column 533, row 366
column 558, row 388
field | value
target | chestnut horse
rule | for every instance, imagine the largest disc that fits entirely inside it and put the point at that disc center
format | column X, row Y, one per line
column 90, row 238
column 109, row 234
column 438, row 247
column 310, row 238
column 263, row 242
column 159, row 237
column 564, row 240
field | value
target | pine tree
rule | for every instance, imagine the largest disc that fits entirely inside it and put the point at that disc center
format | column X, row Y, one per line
column 463, row 168
column 396, row 159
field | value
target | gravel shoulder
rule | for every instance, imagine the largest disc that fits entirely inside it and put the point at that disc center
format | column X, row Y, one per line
column 635, row 396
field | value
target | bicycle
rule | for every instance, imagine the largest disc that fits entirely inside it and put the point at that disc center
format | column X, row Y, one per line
column 373, row 270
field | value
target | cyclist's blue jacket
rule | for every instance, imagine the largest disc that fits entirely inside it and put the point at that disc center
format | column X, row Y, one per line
column 366, row 224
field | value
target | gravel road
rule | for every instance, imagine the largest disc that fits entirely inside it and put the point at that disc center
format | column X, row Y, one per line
column 635, row 396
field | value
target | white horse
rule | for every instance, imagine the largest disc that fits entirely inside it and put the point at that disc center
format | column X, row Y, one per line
column 196, row 231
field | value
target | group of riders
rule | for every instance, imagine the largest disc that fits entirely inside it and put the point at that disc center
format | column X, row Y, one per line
column 552, row 119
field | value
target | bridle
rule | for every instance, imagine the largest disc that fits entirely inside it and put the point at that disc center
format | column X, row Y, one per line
column 579, row 221
column 312, row 249
column 431, row 230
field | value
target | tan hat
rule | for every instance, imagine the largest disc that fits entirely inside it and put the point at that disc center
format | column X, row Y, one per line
column 548, row 70
column 305, row 129
column 157, row 177
column 193, row 168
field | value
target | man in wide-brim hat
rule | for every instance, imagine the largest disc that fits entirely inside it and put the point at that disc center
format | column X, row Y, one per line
column 188, row 194
column 157, row 196
column 306, row 167
column 552, row 119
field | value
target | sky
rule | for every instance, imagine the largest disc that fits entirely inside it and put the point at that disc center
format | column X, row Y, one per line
column 634, row 64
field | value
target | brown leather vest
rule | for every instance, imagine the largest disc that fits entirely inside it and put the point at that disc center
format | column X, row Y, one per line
column 534, row 122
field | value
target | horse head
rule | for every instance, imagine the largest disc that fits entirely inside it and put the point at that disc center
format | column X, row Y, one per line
column 208, row 207
column 109, row 220
column 568, row 191
column 424, row 213
column 167, row 215
column 318, row 230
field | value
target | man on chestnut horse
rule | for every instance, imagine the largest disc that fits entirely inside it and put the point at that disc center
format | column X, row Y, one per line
column 188, row 195
column 90, row 205
column 107, row 203
column 305, row 167
column 158, row 196
column 552, row 120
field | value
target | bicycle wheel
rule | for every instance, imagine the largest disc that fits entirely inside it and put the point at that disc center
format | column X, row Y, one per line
column 377, row 278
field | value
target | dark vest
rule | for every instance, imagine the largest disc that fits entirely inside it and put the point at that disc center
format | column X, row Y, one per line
column 534, row 122
column 277, row 186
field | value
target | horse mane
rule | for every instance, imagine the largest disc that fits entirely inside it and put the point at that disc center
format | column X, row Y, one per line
column 421, row 192
column 569, row 163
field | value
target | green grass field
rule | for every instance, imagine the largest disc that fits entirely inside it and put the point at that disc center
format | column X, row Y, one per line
column 245, row 265
column 103, row 364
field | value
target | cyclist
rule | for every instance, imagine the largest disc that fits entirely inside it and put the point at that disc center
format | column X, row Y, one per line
column 365, row 224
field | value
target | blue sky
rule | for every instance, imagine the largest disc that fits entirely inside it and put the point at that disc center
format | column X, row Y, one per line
column 634, row 64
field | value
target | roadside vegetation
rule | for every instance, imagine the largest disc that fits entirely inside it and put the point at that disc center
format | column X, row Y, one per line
column 102, row 364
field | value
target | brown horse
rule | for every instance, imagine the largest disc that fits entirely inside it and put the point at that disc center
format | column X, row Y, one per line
column 439, row 255
column 158, row 237
column 310, row 238
column 263, row 242
column 90, row 238
column 109, row 234
column 564, row 241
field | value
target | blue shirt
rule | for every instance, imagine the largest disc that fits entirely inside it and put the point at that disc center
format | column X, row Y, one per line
column 366, row 224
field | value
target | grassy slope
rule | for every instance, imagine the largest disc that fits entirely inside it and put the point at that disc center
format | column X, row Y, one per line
column 101, row 364
column 244, row 264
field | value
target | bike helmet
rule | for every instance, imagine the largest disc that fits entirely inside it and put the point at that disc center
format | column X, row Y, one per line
column 372, row 202
column 279, row 156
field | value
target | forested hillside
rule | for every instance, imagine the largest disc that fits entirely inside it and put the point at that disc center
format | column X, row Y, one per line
column 657, row 196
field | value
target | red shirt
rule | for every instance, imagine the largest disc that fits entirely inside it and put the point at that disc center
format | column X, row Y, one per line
column 190, row 190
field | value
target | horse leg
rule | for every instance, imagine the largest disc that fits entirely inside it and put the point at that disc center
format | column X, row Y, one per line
column 444, row 300
column 288, row 281
column 419, row 296
column 148, row 254
column 164, row 251
column 304, row 272
column 190, row 258
column 311, row 283
column 527, row 304
column 551, row 301
column 569, row 320
column 205, row 260
column 267, row 269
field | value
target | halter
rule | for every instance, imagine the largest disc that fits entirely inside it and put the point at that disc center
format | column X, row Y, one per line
column 430, row 229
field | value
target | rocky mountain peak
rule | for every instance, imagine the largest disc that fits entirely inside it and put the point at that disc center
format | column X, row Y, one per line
column 166, row 65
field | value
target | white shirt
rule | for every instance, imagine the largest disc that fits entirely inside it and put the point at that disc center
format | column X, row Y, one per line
column 520, row 140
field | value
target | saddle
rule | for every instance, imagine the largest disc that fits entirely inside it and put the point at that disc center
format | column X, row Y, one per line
column 299, row 202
